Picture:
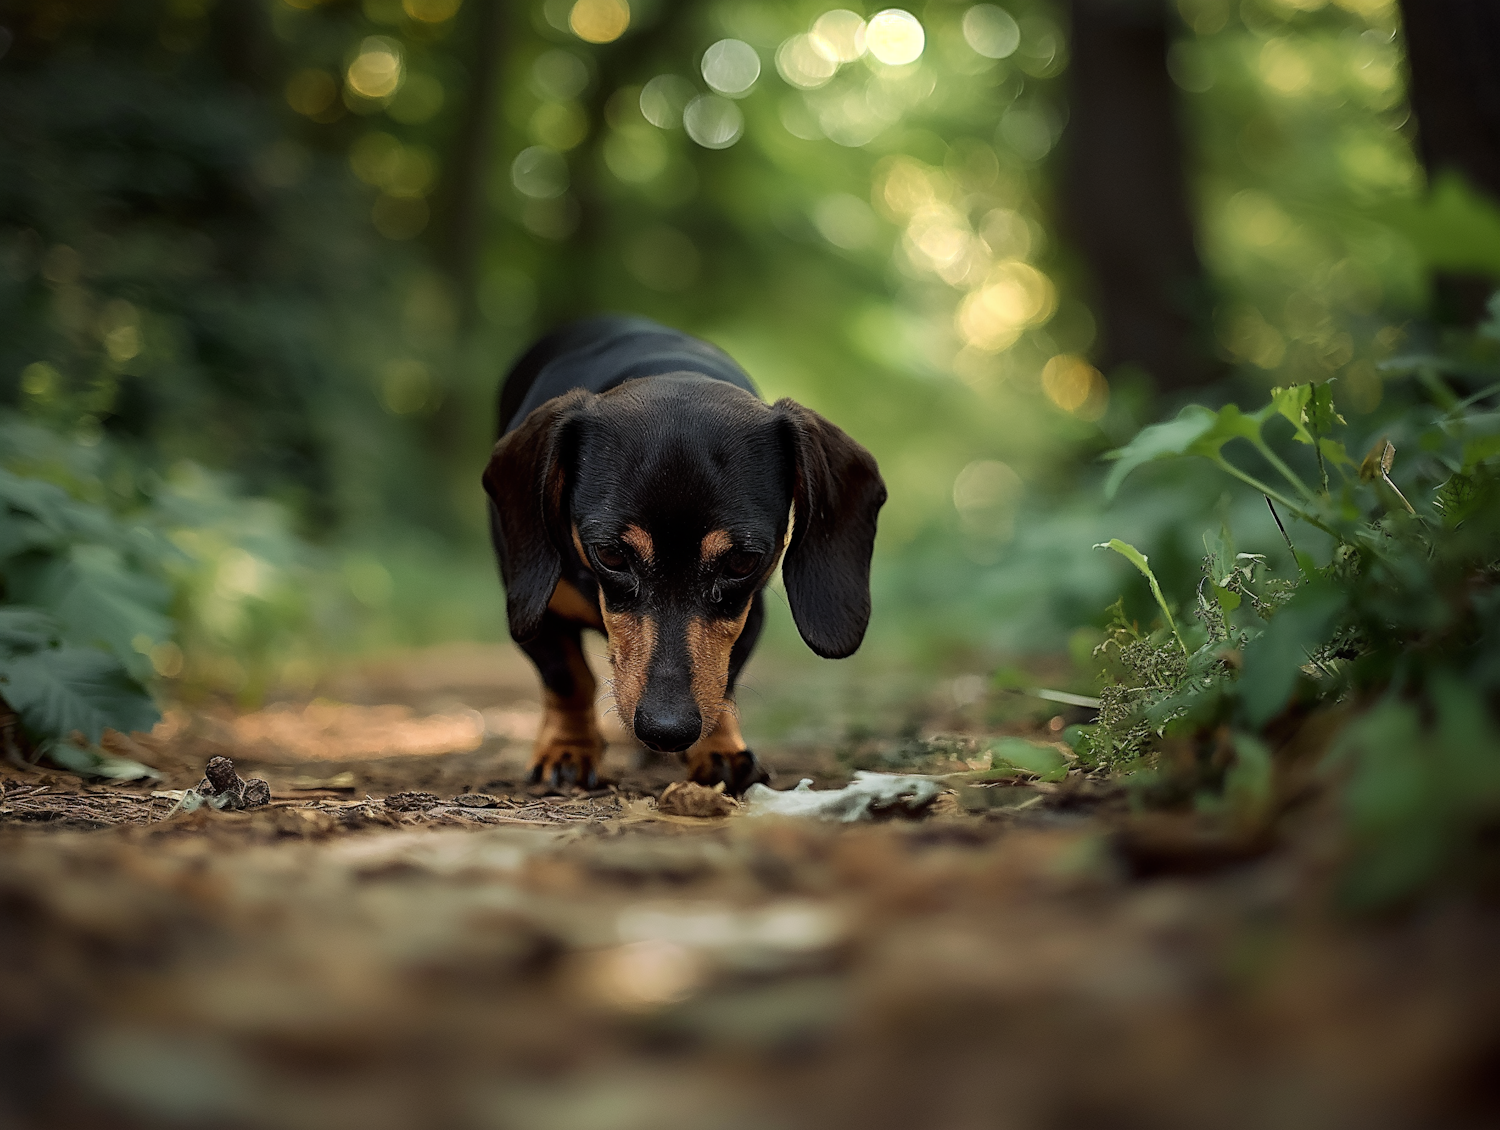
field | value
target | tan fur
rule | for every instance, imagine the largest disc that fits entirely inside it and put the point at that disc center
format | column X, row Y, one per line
column 714, row 543
column 632, row 639
column 640, row 541
column 708, row 644
column 569, row 732
column 571, row 604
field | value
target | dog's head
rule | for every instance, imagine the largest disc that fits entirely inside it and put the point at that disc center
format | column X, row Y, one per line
column 676, row 492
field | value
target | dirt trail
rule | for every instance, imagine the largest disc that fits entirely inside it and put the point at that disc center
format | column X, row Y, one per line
column 586, row 963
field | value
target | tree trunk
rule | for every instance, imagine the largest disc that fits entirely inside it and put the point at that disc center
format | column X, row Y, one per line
column 460, row 232
column 1453, row 51
column 1124, row 200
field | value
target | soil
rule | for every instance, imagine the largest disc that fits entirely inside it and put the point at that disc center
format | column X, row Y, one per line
column 409, row 935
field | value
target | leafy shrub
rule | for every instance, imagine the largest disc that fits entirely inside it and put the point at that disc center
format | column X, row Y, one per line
column 84, row 606
column 1396, row 629
column 112, row 576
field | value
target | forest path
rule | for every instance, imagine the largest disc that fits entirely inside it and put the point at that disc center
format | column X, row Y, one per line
column 584, row 962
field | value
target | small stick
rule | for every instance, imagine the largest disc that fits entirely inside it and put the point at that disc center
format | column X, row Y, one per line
column 1279, row 526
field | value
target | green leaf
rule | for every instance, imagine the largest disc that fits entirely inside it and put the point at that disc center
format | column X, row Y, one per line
column 44, row 501
column 1322, row 418
column 1291, row 403
column 1159, row 441
column 1221, row 558
column 1247, row 785
column 1043, row 761
column 1228, row 599
column 1138, row 559
column 1196, row 431
column 97, row 762
column 21, row 533
column 59, row 690
column 1275, row 658
column 97, row 599
column 59, row 513
column 1394, row 804
column 25, row 629
column 1334, row 452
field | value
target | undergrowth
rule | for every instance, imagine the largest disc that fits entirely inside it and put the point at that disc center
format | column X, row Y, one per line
column 113, row 577
column 1389, row 642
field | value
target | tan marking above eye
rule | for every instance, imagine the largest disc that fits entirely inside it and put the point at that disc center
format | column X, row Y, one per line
column 640, row 541
column 714, row 543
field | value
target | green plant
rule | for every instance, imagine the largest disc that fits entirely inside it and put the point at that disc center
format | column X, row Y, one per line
column 112, row 576
column 1399, row 626
column 84, row 603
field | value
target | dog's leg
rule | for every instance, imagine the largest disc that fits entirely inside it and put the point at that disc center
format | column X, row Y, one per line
column 722, row 756
column 568, row 744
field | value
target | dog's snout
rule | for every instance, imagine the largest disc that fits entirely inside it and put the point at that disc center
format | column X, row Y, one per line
column 668, row 729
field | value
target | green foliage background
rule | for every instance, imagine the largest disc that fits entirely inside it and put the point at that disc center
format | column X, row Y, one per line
column 221, row 259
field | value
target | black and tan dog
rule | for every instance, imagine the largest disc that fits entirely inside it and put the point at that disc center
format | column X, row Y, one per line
column 641, row 488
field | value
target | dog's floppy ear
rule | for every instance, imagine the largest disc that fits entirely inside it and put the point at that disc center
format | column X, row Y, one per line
column 526, row 480
column 837, row 494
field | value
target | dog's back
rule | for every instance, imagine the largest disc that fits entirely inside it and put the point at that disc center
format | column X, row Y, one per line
column 597, row 354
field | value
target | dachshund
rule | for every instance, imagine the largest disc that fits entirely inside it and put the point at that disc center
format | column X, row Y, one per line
column 643, row 489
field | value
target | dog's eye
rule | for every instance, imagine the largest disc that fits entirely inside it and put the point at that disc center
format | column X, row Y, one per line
column 741, row 563
column 609, row 557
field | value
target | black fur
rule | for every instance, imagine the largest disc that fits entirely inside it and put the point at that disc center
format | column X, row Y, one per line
column 615, row 422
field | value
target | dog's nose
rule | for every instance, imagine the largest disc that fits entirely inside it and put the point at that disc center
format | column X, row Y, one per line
column 668, row 729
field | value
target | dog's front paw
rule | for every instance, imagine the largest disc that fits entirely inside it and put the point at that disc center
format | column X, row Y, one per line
column 561, row 764
column 736, row 771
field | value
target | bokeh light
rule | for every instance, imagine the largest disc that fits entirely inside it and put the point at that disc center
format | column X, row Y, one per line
column 636, row 155
column 405, row 386
column 311, row 91
column 839, row 36
column 431, row 11
column 1075, row 386
column 599, row 21
column 731, row 67
column 377, row 70
column 846, row 221
column 985, row 494
column 559, row 125
column 559, row 76
column 1015, row 295
column 664, row 98
column 991, row 31
column 407, row 171
column 540, row 173
column 1028, row 132
column 802, row 64
column 713, row 122
column 895, row 37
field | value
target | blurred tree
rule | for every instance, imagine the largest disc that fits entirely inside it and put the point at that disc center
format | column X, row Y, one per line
column 1453, row 52
column 462, row 210
column 1124, row 200
column 187, row 265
